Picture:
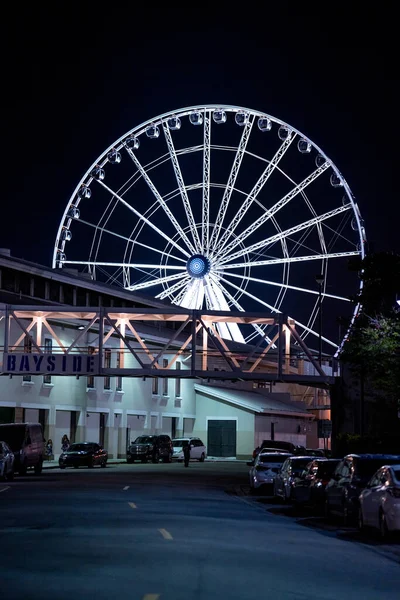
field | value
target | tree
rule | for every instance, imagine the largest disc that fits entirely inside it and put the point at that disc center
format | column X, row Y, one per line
column 372, row 351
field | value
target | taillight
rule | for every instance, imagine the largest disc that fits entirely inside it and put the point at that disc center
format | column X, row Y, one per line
column 394, row 491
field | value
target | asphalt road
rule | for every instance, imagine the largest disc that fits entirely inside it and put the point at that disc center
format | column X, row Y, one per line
column 149, row 532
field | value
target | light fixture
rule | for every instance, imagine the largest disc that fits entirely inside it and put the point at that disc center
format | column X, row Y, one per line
column 81, row 327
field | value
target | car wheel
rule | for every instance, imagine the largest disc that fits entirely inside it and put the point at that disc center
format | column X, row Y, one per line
column 63, row 467
column 10, row 475
column 129, row 461
column 144, row 460
column 75, row 467
column 104, row 464
column 202, row 458
column 39, row 467
column 91, row 464
column 156, row 457
column 383, row 528
column 23, row 469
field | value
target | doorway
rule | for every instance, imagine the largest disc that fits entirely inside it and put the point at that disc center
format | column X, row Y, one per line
column 221, row 438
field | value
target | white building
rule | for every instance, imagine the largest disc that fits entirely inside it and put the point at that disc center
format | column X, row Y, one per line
column 231, row 420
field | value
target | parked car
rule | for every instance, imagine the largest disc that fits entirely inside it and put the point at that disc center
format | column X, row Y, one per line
column 350, row 477
column 6, row 462
column 280, row 445
column 264, row 470
column 27, row 444
column 285, row 478
column 198, row 450
column 317, row 452
column 150, row 447
column 380, row 501
column 309, row 487
column 83, row 454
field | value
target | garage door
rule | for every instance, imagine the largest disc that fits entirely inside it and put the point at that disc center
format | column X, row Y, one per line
column 221, row 437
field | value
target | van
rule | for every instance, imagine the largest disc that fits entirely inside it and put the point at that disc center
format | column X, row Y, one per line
column 27, row 443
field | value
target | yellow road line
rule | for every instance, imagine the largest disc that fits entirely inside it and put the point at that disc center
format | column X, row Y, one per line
column 166, row 534
column 132, row 504
column 126, row 488
column 4, row 489
column 151, row 596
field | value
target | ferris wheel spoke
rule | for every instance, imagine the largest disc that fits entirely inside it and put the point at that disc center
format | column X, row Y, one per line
column 161, row 200
column 246, row 293
column 98, row 263
column 289, row 287
column 206, row 183
column 273, row 210
column 231, row 183
column 174, row 288
column 217, row 301
column 178, row 299
column 182, row 188
column 136, row 243
column 287, row 259
column 153, row 282
column 284, row 234
column 314, row 333
column 256, row 189
column 194, row 295
column 144, row 219
column 237, row 305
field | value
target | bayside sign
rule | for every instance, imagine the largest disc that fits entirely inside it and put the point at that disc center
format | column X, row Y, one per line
column 50, row 364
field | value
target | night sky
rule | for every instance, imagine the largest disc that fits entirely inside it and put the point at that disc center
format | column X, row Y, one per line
column 72, row 89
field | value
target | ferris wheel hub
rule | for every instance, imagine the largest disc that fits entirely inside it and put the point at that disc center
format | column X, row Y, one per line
column 198, row 266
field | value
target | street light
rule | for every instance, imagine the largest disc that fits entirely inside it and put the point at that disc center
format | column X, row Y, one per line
column 320, row 280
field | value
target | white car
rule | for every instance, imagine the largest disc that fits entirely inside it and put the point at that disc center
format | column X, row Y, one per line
column 263, row 472
column 380, row 501
column 6, row 462
column 198, row 450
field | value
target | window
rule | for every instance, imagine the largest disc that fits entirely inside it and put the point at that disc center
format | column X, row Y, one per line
column 27, row 350
column 90, row 379
column 165, row 379
column 119, row 366
column 48, row 347
column 178, row 381
column 107, row 365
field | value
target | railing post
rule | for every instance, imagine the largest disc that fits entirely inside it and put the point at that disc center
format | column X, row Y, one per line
column 6, row 330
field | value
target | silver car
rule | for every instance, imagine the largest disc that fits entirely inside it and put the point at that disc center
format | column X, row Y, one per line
column 380, row 501
column 6, row 462
column 264, row 470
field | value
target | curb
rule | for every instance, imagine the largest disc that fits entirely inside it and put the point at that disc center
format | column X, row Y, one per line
column 122, row 461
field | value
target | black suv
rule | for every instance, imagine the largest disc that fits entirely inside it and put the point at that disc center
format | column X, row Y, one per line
column 349, row 479
column 153, row 447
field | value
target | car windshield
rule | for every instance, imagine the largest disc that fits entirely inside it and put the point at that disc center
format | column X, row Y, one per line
column 366, row 468
column 271, row 458
column 180, row 443
column 299, row 465
column 325, row 469
column 13, row 435
column 144, row 439
column 79, row 447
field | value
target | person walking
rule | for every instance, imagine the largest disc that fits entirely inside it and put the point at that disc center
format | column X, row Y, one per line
column 186, row 453
column 64, row 443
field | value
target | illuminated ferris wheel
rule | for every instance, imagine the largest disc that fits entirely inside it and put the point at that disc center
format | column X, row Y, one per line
column 223, row 208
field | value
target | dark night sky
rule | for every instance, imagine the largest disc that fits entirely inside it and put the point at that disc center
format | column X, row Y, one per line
column 72, row 90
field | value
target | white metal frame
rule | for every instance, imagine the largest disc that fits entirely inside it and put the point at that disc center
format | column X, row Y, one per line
column 234, row 252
